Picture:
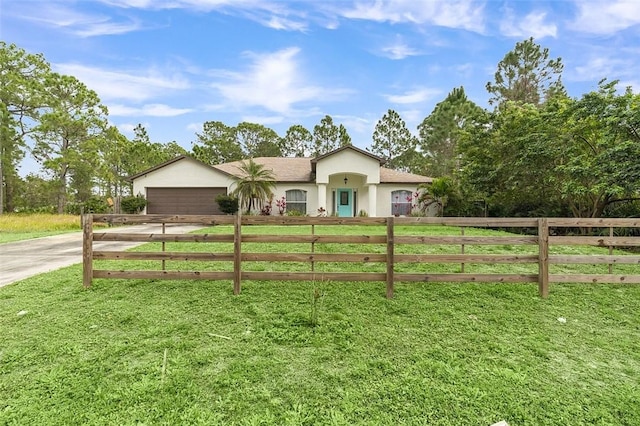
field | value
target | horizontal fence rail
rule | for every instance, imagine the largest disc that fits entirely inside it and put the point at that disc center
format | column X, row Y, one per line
column 399, row 245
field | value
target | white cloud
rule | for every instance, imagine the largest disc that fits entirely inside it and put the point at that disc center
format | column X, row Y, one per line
column 532, row 25
column 133, row 86
column 126, row 128
column 465, row 14
column 269, row 14
column 414, row 96
column 354, row 124
column 604, row 65
column 273, row 81
column 152, row 110
column 75, row 22
column 280, row 23
column 399, row 50
column 606, row 17
column 194, row 127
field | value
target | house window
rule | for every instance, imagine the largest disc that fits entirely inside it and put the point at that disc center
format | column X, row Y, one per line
column 297, row 201
column 401, row 203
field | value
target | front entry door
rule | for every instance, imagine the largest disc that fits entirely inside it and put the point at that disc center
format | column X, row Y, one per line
column 345, row 202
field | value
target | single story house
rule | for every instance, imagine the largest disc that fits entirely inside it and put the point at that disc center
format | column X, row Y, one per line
column 345, row 182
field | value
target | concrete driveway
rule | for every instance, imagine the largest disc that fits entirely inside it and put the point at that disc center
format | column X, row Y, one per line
column 24, row 259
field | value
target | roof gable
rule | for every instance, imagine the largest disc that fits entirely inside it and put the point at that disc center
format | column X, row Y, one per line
column 343, row 148
column 169, row 163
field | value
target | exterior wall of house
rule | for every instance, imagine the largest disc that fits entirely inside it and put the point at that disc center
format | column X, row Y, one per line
column 312, row 196
column 386, row 201
column 348, row 161
column 182, row 173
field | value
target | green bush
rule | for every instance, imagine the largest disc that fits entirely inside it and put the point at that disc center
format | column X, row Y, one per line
column 228, row 203
column 133, row 204
column 94, row 204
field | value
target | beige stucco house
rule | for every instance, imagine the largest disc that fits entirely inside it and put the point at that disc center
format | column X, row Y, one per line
column 344, row 182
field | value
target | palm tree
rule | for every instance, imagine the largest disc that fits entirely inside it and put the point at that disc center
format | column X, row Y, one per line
column 254, row 185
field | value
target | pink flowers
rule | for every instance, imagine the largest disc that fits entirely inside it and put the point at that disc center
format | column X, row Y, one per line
column 282, row 205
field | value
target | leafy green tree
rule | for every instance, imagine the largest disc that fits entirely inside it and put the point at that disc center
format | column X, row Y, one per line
column 66, row 138
column 36, row 194
column 526, row 74
column 507, row 158
column 568, row 157
column 392, row 140
column 297, row 142
column 217, row 144
column 597, row 164
column 22, row 96
column 257, row 140
column 326, row 136
column 254, row 186
column 112, row 172
column 343, row 136
column 441, row 131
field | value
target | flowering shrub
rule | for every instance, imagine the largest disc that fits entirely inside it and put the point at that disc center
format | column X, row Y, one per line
column 282, row 205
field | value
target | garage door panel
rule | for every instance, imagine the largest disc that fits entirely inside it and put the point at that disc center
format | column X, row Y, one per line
column 183, row 200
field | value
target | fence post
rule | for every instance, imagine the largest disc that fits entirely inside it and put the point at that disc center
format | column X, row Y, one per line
column 237, row 253
column 87, row 249
column 462, row 249
column 543, row 257
column 164, row 247
column 390, row 247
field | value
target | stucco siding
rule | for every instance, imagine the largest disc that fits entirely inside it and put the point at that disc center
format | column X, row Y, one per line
column 312, row 196
column 183, row 173
column 350, row 162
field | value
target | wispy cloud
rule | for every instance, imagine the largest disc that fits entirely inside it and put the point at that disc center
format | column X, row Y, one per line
column 280, row 23
column 532, row 25
column 414, row 96
column 399, row 50
column 273, row 81
column 56, row 15
column 465, row 14
column 150, row 110
column 133, row 85
column 606, row 17
column 270, row 14
column 603, row 63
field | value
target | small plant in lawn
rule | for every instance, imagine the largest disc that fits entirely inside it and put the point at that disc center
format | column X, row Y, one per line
column 316, row 302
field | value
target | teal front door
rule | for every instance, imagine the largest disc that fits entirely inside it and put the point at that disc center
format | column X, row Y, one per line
column 345, row 202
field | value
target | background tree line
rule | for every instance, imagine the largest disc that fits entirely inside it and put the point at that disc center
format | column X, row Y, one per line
column 537, row 152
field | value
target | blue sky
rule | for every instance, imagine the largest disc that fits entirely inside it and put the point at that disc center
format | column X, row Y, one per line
column 174, row 64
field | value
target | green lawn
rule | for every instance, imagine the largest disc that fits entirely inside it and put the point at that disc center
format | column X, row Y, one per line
column 441, row 354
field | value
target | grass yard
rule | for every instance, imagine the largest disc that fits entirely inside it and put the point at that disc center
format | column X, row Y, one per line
column 16, row 227
column 305, row 353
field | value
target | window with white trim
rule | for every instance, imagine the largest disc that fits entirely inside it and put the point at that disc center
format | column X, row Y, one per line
column 297, row 200
column 401, row 202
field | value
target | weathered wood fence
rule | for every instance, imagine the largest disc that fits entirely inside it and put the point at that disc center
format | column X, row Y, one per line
column 389, row 239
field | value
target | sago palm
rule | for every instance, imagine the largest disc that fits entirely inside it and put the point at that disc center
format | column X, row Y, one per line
column 254, row 185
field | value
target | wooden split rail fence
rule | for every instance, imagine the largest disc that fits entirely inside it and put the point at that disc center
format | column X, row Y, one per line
column 388, row 240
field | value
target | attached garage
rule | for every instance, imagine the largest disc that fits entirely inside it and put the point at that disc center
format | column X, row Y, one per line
column 183, row 200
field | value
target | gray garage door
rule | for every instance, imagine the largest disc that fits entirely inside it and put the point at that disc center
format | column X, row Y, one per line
column 183, row 200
